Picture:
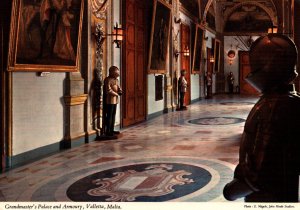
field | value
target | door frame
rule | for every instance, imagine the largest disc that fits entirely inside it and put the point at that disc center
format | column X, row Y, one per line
column 239, row 74
column 209, row 68
column 188, row 60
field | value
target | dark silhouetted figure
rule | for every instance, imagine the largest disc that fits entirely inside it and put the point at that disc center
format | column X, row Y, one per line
column 230, row 81
column 182, row 88
column 269, row 157
column 208, row 82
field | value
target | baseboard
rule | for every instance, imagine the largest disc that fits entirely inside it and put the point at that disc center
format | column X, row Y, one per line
column 33, row 155
column 167, row 110
column 154, row 115
column 45, row 151
column 195, row 100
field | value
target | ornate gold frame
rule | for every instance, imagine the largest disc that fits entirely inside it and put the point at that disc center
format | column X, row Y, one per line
column 168, row 8
column 217, row 51
column 198, row 45
column 45, row 66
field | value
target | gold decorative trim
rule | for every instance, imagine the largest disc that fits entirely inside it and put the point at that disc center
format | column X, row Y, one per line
column 169, row 88
column 99, row 8
column 75, row 100
column 169, row 2
column 13, row 65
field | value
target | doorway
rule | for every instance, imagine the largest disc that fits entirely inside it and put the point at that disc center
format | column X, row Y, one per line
column 134, row 63
column 244, row 70
column 210, row 65
column 185, row 60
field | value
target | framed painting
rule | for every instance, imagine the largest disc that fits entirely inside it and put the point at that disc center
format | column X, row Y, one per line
column 160, row 32
column 217, row 46
column 159, row 87
column 45, row 35
column 198, row 49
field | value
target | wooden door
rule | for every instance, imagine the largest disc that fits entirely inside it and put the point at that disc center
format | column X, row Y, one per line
column 134, row 68
column 210, row 66
column 244, row 70
column 185, row 60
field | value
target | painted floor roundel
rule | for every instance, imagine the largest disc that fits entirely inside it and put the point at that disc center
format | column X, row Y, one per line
column 140, row 182
column 216, row 121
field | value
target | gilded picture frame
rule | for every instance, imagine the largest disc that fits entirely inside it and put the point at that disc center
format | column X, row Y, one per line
column 197, row 55
column 45, row 35
column 160, row 32
column 217, row 48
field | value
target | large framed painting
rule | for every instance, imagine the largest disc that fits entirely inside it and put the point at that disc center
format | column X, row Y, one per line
column 160, row 33
column 198, row 44
column 45, row 35
column 217, row 46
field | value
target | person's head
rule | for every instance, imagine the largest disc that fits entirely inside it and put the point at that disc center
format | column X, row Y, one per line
column 272, row 59
column 183, row 72
column 114, row 71
column 231, row 73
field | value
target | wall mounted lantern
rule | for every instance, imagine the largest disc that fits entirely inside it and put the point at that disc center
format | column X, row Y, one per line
column 272, row 30
column 231, row 56
column 117, row 35
column 212, row 59
column 186, row 52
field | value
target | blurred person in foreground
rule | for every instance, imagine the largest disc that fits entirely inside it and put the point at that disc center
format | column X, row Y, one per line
column 269, row 156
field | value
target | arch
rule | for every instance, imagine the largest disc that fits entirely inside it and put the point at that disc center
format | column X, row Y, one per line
column 271, row 13
column 207, row 8
column 266, row 9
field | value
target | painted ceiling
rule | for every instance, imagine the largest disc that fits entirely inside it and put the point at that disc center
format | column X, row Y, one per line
column 246, row 15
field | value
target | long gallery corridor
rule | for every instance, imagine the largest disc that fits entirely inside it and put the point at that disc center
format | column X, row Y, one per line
column 180, row 156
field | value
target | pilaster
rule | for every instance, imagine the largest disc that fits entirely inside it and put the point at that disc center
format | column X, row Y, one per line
column 74, row 111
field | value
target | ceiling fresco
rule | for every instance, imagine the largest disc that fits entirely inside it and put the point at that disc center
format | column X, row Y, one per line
column 235, row 15
column 249, row 18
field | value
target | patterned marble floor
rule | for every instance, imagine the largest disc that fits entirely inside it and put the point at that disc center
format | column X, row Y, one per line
column 180, row 156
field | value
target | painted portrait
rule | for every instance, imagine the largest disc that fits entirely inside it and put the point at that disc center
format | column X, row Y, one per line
column 217, row 46
column 159, row 37
column 198, row 49
column 45, row 35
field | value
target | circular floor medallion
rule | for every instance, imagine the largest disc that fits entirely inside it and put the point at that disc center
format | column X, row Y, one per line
column 141, row 182
column 216, row 121
column 232, row 103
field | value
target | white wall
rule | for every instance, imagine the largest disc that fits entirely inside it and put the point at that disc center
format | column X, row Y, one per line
column 153, row 106
column 195, row 86
column 37, row 110
column 233, row 43
column 210, row 36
